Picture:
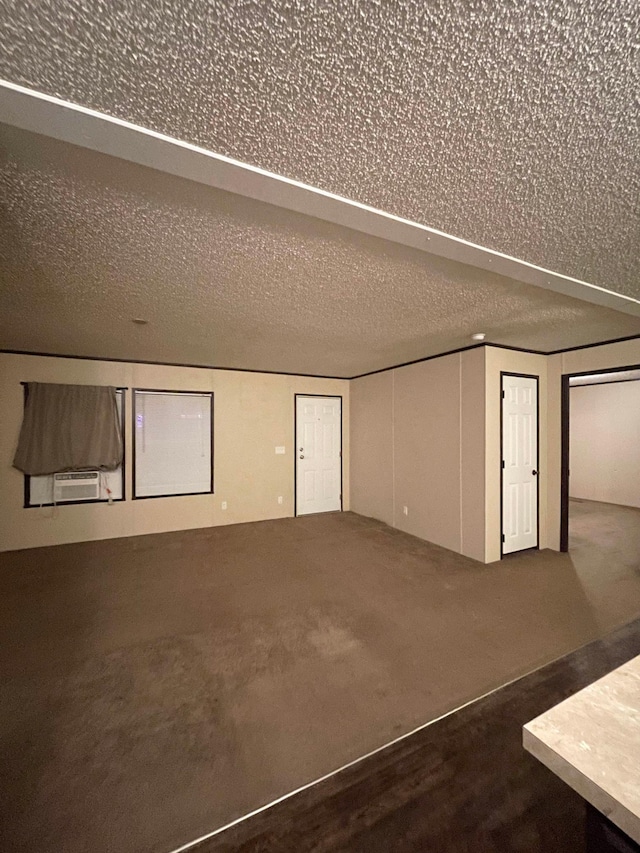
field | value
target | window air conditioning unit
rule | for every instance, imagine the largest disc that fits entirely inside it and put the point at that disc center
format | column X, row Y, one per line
column 76, row 486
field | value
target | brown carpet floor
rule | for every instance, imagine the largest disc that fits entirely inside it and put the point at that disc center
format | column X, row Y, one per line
column 156, row 687
column 461, row 784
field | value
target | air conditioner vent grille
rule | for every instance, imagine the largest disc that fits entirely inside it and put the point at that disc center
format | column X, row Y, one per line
column 77, row 493
column 76, row 486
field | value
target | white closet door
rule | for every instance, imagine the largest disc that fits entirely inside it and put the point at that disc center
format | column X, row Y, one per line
column 519, row 463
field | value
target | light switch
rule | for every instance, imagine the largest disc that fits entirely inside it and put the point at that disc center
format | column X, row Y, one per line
column 279, row 450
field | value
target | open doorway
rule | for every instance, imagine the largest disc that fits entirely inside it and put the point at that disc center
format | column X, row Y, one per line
column 600, row 500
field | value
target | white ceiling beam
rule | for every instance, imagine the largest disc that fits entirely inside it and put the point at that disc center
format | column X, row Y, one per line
column 44, row 114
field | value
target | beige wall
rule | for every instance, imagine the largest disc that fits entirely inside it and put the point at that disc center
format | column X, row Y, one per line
column 426, row 450
column 600, row 358
column 426, row 436
column 372, row 452
column 511, row 361
column 605, row 443
column 473, row 440
column 428, row 418
column 439, row 421
column 253, row 413
column 554, row 449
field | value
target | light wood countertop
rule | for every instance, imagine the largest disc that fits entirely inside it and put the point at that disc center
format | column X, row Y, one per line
column 592, row 742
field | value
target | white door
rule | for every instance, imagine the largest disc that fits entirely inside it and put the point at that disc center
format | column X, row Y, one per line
column 519, row 463
column 318, row 454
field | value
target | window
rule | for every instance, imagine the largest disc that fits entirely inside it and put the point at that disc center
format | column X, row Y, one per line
column 172, row 443
column 39, row 490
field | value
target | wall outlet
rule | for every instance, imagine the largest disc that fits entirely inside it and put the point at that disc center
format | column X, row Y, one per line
column 279, row 499
column 279, row 451
column 223, row 504
column 405, row 510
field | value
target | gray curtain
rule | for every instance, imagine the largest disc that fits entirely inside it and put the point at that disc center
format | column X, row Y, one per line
column 69, row 428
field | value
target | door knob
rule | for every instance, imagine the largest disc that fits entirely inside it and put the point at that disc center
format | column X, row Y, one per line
column 302, row 457
column 534, row 472
column 301, row 449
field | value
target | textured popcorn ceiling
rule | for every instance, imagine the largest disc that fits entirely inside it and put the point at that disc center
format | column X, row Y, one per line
column 513, row 124
column 87, row 242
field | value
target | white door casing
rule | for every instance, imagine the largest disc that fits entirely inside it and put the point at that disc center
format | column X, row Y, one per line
column 318, row 454
column 519, row 463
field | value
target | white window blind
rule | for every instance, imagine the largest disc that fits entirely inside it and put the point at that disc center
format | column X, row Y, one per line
column 41, row 488
column 172, row 443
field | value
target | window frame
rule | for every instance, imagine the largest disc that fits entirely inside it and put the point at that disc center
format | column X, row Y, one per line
column 174, row 392
column 123, row 468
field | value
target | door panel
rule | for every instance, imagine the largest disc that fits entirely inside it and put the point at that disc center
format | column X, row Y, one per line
column 520, row 463
column 308, row 485
column 318, row 454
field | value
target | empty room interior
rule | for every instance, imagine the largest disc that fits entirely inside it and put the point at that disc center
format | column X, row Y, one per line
column 319, row 426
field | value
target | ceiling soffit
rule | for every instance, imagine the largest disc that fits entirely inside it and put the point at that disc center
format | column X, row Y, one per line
column 514, row 126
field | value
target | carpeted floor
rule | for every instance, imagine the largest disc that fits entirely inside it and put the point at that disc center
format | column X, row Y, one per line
column 154, row 688
column 604, row 545
column 461, row 784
